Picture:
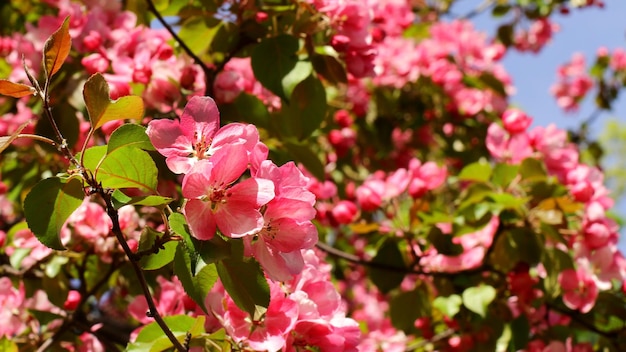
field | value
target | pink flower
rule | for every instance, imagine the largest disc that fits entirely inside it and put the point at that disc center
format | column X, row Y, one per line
column 538, row 35
column 12, row 312
column 270, row 332
column 215, row 202
column 515, row 121
column 425, row 177
column 474, row 248
column 73, row 298
column 287, row 226
column 345, row 211
column 168, row 300
column 197, row 135
column 508, row 147
column 579, row 289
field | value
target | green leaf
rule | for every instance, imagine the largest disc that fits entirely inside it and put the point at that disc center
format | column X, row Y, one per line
column 406, row 307
column 15, row 90
column 246, row 108
column 504, row 173
column 102, row 109
column 448, row 305
column 517, row 245
column 129, row 135
column 330, row 68
column 493, row 83
column 306, row 110
column 159, row 259
column 128, row 167
column 532, row 169
column 152, row 339
column 120, row 199
column 555, row 261
column 301, row 152
column 500, row 10
column 196, row 284
column 287, row 71
column 520, row 331
column 179, row 226
column 48, row 205
column 478, row 171
column 443, row 242
column 7, row 345
column 388, row 256
column 198, row 33
column 506, row 34
column 244, row 281
column 509, row 201
column 56, row 49
column 478, row 298
column 93, row 156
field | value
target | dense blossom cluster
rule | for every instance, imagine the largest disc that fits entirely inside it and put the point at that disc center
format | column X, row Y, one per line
column 537, row 36
column 573, row 83
column 411, row 225
column 305, row 311
column 597, row 259
column 271, row 209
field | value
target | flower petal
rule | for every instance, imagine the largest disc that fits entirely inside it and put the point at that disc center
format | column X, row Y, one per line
column 200, row 218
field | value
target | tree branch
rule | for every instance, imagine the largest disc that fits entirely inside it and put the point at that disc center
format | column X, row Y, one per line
column 117, row 231
column 360, row 261
column 208, row 72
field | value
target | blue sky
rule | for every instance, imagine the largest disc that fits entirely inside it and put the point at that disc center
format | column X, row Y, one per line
column 584, row 31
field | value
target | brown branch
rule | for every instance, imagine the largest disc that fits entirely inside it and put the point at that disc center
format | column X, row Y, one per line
column 360, row 261
column 208, row 72
column 152, row 310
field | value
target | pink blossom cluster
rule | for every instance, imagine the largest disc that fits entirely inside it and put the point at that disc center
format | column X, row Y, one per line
column 452, row 51
column 237, row 77
column 305, row 311
column 110, row 41
column 230, row 186
column 375, row 193
column 11, row 121
column 573, row 83
column 537, row 36
column 474, row 246
column 88, row 228
column 597, row 258
column 370, row 307
column 351, row 21
column 7, row 212
column 559, row 346
column 16, row 310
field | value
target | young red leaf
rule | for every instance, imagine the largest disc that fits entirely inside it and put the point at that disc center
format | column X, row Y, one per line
column 5, row 141
column 57, row 48
column 15, row 90
column 102, row 109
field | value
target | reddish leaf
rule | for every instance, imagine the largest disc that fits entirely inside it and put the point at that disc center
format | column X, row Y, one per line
column 57, row 48
column 5, row 141
column 15, row 90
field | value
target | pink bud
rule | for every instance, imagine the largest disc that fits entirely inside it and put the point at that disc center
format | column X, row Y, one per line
column 73, row 298
column 342, row 118
column 345, row 212
column 516, row 121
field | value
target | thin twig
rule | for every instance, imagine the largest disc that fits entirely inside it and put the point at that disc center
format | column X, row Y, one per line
column 436, row 338
column 207, row 71
column 360, row 261
column 117, row 231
